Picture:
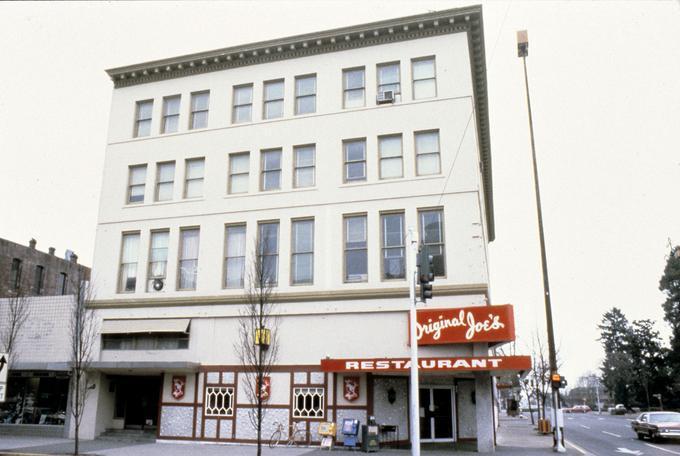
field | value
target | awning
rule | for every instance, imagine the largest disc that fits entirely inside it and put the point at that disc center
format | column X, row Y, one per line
column 143, row 367
column 146, row 325
column 498, row 365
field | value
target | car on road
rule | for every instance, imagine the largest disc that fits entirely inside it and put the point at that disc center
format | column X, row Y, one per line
column 657, row 425
column 618, row 409
column 580, row 409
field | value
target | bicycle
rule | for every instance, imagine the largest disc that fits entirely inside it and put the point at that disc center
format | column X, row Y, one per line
column 295, row 435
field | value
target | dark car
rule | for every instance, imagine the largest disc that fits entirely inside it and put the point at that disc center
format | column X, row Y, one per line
column 656, row 425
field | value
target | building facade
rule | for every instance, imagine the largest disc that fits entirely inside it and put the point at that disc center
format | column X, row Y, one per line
column 36, row 288
column 315, row 153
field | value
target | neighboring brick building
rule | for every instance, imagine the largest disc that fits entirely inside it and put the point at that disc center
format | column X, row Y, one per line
column 37, row 273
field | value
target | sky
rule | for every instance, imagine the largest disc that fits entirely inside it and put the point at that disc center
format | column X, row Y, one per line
column 605, row 91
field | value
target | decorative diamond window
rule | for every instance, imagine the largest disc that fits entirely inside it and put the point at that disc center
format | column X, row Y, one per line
column 219, row 401
column 308, row 402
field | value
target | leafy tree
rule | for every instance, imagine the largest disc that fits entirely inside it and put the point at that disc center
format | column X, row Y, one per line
column 670, row 286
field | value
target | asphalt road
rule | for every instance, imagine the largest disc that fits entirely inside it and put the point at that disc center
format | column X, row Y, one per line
column 604, row 435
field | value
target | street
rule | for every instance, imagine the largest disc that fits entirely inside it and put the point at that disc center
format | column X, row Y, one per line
column 600, row 435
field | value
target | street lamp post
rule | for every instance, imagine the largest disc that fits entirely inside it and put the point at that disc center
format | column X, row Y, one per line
column 523, row 51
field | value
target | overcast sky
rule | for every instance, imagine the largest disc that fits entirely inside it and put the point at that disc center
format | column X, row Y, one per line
column 605, row 87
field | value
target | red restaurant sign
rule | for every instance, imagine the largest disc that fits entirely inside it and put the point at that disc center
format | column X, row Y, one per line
column 476, row 363
column 467, row 324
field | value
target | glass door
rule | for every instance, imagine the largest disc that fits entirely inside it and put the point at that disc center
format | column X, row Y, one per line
column 436, row 414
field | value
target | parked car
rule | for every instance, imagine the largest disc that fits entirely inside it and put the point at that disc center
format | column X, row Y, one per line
column 656, row 425
column 580, row 409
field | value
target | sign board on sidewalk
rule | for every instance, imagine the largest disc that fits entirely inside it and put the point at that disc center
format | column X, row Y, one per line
column 4, row 367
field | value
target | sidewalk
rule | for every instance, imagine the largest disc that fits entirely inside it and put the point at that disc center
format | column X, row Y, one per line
column 515, row 437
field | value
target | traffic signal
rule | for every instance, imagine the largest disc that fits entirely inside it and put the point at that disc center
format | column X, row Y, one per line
column 425, row 274
column 558, row 381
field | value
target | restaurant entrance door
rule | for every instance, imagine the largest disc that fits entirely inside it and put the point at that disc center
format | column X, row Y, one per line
column 437, row 413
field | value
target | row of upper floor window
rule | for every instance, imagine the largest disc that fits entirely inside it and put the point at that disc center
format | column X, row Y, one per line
column 19, row 284
column 240, row 264
column 388, row 86
column 303, row 167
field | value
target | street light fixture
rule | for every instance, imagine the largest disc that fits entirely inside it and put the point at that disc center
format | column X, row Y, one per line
column 523, row 52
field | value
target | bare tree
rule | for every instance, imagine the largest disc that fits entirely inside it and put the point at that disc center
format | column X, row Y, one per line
column 257, row 345
column 15, row 311
column 83, row 335
column 541, row 372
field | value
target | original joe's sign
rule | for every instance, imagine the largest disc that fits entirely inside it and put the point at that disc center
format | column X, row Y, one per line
column 466, row 324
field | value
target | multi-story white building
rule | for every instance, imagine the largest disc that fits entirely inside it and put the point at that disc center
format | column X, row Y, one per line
column 328, row 146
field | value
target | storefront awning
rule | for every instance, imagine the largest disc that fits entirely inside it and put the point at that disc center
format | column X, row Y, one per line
column 146, row 325
column 498, row 365
column 143, row 367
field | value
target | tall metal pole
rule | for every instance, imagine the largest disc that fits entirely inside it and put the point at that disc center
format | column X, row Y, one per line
column 414, row 399
column 523, row 51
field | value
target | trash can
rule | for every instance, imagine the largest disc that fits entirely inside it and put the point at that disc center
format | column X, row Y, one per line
column 370, row 436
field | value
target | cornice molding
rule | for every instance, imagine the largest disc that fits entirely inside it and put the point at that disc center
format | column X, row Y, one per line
column 309, row 296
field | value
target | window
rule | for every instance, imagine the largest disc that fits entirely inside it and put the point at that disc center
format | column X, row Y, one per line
column 239, row 169
column 427, row 152
column 158, row 257
column 356, row 253
column 188, row 259
column 165, row 181
column 268, row 251
column 136, row 184
column 305, row 94
column 161, row 341
column 143, row 118
column 432, row 237
column 38, row 279
column 304, row 166
column 390, row 156
column 243, row 104
column 271, row 169
column 170, row 114
column 392, row 233
column 15, row 274
column 62, row 283
column 424, row 79
column 235, row 261
column 355, row 160
column 354, row 87
column 308, row 402
column 219, row 401
column 273, row 99
column 388, row 78
column 128, row 263
column 302, row 252
column 199, row 110
column 193, row 184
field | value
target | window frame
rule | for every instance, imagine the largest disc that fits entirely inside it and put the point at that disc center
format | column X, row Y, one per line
column 227, row 257
column 192, row 179
column 378, row 85
column 421, row 235
column 159, row 182
column 297, row 390
column 263, row 171
column 192, row 112
column 230, row 391
column 149, row 276
column 298, row 96
column 15, row 273
column 230, row 190
column 63, row 277
column 296, row 167
column 139, row 120
column 345, row 142
column 130, row 185
column 165, row 115
column 438, row 153
column 261, row 255
column 345, row 249
column 345, row 90
column 381, row 158
column 235, row 106
column 266, row 101
column 38, row 279
column 180, row 259
column 293, row 252
column 414, row 80
column 121, row 290
column 383, row 247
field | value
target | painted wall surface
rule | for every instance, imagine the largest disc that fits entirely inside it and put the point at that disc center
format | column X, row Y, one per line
column 392, row 413
column 466, row 409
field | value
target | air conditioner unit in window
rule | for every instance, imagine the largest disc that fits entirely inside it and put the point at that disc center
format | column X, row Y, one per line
column 385, row 97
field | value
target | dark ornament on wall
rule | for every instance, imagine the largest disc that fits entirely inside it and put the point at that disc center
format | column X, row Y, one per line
column 391, row 395
column 473, row 397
